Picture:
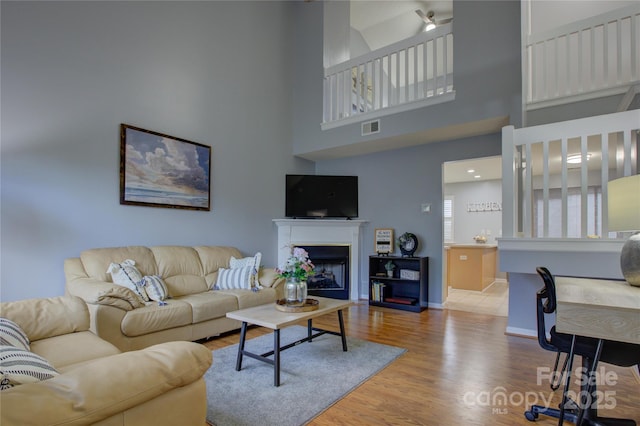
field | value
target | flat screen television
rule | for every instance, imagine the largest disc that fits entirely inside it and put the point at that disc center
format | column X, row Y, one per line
column 318, row 196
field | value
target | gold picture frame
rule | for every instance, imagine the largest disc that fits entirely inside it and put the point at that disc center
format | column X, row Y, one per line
column 383, row 240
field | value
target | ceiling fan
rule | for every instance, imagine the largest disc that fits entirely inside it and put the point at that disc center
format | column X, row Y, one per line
column 428, row 18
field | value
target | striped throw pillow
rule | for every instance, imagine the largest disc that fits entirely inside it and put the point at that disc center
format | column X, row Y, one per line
column 238, row 278
column 127, row 275
column 253, row 262
column 20, row 366
column 12, row 335
column 155, row 288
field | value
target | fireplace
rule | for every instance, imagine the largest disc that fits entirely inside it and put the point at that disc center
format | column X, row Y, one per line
column 314, row 233
column 331, row 278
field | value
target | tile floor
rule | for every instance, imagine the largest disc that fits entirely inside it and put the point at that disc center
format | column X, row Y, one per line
column 494, row 300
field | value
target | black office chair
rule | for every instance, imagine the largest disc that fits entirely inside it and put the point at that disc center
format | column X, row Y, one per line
column 616, row 353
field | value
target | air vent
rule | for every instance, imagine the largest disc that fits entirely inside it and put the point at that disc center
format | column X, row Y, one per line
column 370, row 127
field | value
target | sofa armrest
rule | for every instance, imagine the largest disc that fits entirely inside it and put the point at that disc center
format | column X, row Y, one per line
column 97, row 292
column 48, row 317
column 268, row 278
column 102, row 293
column 101, row 388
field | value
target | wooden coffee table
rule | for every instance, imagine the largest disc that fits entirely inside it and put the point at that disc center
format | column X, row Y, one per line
column 270, row 317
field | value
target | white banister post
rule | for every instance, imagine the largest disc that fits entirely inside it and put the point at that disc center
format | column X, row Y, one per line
column 508, row 182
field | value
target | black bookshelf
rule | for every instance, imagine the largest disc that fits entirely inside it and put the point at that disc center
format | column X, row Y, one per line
column 407, row 289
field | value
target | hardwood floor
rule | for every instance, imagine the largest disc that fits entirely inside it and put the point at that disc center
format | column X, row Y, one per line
column 494, row 300
column 459, row 369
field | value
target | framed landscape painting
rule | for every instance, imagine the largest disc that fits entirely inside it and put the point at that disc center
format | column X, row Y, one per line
column 158, row 170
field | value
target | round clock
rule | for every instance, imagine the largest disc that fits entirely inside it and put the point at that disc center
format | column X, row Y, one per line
column 408, row 244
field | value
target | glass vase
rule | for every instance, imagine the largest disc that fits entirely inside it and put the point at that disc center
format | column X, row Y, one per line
column 295, row 292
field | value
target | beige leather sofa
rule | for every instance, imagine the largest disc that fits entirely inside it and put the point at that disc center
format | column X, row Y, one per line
column 194, row 311
column 97, row 384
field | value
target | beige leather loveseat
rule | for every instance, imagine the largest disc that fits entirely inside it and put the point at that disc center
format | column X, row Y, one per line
column 195, row 309
column 97, row 384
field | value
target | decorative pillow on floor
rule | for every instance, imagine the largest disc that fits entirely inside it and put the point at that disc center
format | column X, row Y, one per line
column 238, row 278
column 127, row 275
column 155, row 288
column 253, row 262
column 12, row 335
column 20, row 366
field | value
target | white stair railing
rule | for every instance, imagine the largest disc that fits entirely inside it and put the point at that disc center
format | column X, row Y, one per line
column 405, row 75
column 594, row 57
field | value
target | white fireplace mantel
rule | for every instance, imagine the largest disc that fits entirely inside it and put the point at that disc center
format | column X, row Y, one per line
column 324, row 231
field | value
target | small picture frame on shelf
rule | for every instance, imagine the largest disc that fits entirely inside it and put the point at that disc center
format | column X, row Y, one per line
column 383, row 241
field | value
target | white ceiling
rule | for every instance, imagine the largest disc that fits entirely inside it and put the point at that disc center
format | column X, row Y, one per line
column 383, row 22
column 488, row 168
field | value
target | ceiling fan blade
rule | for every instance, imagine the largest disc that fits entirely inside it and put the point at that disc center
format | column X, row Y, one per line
column 444, row 21
column 424, row 17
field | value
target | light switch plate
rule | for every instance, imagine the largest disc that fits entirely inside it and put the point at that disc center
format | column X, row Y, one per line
column 426, row 208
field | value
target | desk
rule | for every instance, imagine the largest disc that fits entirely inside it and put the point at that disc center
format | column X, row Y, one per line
column 604, row 309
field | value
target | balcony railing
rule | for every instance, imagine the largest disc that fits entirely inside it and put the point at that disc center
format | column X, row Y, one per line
column 546, row 194
column 594, row 57
column 406, row 75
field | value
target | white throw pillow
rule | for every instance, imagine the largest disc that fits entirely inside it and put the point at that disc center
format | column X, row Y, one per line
column 155, row 288
column 127, row 275
column 12, row 335
column 20, row 366
column 252, row 262
column 238, row 278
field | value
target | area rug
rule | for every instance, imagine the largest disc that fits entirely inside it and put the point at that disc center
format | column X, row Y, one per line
column 313, row 376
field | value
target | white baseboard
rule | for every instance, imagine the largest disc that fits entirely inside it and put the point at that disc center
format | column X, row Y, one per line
column 435, row 305
column 524, row 332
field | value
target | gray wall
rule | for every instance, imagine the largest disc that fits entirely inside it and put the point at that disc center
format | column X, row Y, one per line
column 217, row 73
column 575, row 110
column 467, row 224
column 486, row 70
column 395, row 183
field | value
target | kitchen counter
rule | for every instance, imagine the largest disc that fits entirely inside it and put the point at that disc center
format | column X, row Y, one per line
column 471, row 266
